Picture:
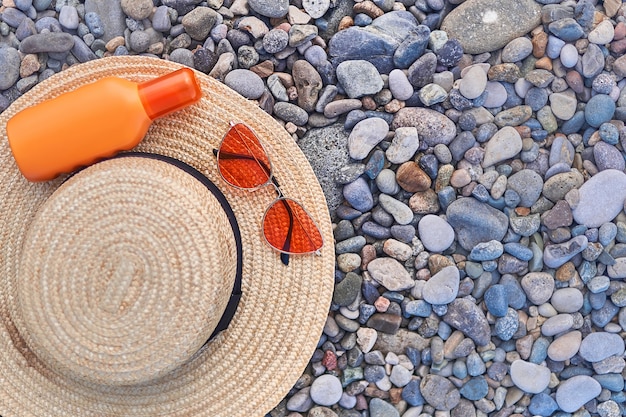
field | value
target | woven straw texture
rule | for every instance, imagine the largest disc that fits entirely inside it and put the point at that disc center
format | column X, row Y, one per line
column 248, row 368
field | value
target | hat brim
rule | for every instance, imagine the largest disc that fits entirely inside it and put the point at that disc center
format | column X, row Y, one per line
column 248, row 368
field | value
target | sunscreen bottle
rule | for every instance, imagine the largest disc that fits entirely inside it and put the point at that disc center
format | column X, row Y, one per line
column 93, row 122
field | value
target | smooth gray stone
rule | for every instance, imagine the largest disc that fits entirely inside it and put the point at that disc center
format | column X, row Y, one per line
column 47, row 42
column 484, row 25
column 476, row 222
column 601, row 198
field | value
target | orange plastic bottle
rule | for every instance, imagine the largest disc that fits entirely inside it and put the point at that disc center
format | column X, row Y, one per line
column 94, row 122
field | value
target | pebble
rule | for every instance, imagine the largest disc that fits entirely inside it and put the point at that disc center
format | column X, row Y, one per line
column 563, row 105
column 400, row 376
column 527, row 184
column 538, row 286
column 412, row 47
column 359, row 78
column 275, row 41
column 432, row 127
column 574, row 392
column 602, row 34
column 567, row 300
column 358, row 195
column 68, row 17
column 598, row 346
column 439, row 392
column 380, row 408
column 599, row 109
column 347, row 290
column 569, row 55
column 316, row 8
column 557, row 254
column 401, row 213
column 161, row 19
column 300, row 401
column 390, row 274
column 486, row 251
column 443, row 287
column 507, row 326
column 475, row 389
column 267, row 8
column 412, row 178
column 47, row 42
column 326, row 390
column 245, row 82
column 618, row 269
column 467, row 317
column 399, row 85
column 557, row 324
column 529, row 377
column 199, row 22
column 137, row 9
column 608, row 157
column 505, row 144
column 473, row 83
column 496, row 300
column 483, row 26
column 475, row 222
column 290, row 112
column 9, row 67
column 565, row 347
column 435, row 233
column 517, row 50
column 384, row 34
column 403, row 146
column 600, row 199
column 365, row 136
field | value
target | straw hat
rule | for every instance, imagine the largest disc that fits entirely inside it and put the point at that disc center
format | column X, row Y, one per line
column 113, row 280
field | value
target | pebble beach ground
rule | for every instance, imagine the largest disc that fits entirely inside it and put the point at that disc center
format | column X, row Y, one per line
column 472, row 156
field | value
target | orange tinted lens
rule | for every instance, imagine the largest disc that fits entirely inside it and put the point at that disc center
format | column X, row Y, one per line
column 241, row 159
column 289, row 228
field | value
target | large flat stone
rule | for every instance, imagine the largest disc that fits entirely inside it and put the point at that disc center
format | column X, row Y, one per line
column 487, row 25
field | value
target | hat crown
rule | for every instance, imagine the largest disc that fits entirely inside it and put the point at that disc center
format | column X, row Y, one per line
column 126, row 271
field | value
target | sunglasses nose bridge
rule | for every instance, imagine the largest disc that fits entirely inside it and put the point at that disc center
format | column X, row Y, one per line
column 273, row 183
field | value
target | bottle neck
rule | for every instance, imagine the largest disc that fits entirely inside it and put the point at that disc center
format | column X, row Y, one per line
column 169, row 93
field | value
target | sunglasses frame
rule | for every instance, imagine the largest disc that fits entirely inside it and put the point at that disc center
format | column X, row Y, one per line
column 274, row 183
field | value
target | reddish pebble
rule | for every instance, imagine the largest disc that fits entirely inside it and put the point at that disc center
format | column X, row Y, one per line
column 329, row 360
column 575, row 81
column 618, row 47
column 381, row 304
column 361, row 403
column 368, row 254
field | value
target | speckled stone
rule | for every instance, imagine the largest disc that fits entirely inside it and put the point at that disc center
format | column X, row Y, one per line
column 467, row 317
column 432, row 127
column 439, row 392
column 484, row 26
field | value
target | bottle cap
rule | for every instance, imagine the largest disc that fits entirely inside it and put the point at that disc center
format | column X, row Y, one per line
column 169, row 93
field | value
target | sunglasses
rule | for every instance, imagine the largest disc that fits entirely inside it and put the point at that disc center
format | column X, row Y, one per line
column 243, row 163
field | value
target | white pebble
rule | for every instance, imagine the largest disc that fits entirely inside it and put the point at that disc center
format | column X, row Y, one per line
column 326, row 390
